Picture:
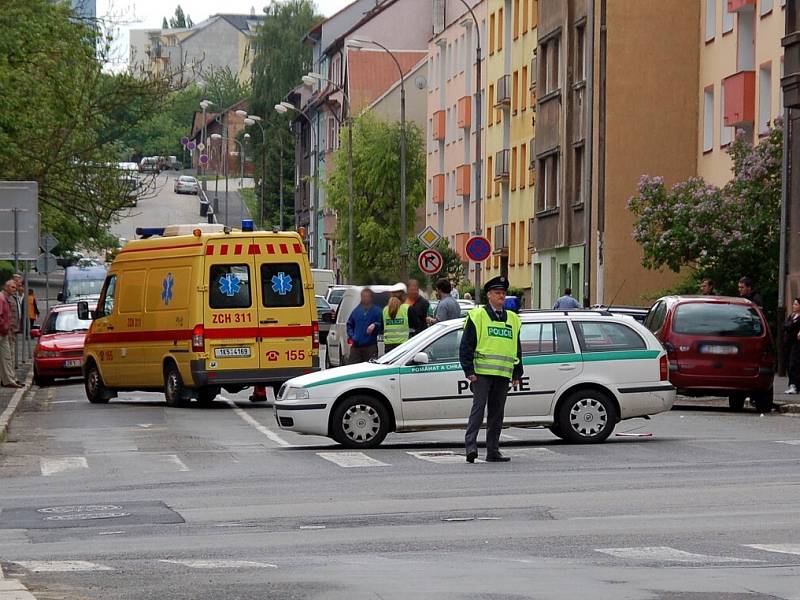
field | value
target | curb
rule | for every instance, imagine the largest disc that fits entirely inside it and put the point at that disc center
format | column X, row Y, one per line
column 789, row 408
column 5, row 418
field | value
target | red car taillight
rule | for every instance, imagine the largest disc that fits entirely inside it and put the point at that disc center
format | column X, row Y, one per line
column 198, row 338
column 315, row 335
column 663, row 367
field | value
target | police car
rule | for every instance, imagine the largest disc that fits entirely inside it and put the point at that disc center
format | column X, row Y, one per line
column 584, row 371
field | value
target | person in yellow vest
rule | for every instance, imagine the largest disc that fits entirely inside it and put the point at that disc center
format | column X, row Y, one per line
column 491, row 356
column 396, row 323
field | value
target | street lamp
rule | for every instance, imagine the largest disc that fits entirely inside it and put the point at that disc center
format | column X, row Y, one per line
column 204, row 104
column 216, row 136
column 283, row 108
column 251, row 120
column 310, row 80
column 478, row 148
column 358, row 43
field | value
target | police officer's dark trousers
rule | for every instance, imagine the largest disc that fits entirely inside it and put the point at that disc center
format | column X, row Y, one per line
column 488, row 394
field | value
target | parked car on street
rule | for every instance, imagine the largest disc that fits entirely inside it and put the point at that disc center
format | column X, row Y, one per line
column 324, row 279
column 466, row 306
column 82, row 282
column 335, row 293
column 637, row 312
column 186, row 184
column 717, row 346
column 59, row 346
column 325, row 317
column 584, row 372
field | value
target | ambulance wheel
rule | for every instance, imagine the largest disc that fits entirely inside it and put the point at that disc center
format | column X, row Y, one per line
column 360, row 422
column 174, row 390
column 206, row 395
column 96, row 391
column 586, row 416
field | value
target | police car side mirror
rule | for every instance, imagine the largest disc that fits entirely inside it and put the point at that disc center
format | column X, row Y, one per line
column 421, row 358
column 83, row 311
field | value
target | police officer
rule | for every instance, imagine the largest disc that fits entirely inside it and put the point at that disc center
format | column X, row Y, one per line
column 490, row 355
column 396, row 322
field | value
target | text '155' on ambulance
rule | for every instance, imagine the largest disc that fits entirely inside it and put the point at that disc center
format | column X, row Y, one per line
column 193, row 309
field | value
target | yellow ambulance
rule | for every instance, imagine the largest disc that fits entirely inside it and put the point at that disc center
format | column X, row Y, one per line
column 193, row 309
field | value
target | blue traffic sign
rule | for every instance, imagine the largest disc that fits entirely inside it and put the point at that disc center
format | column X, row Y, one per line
column 478, row 248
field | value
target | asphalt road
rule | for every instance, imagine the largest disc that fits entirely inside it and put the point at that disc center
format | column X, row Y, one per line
column 137, row 500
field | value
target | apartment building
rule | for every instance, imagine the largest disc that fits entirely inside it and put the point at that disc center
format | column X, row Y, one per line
column 452, row 168
column 741, row 65
column 510, row 122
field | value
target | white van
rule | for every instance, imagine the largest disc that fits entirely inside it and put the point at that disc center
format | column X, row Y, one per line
column 323, row 279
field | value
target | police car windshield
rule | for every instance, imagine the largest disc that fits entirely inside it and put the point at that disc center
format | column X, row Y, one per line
column 418, row 341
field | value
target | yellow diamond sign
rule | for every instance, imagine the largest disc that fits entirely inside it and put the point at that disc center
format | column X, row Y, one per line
column 429, row 236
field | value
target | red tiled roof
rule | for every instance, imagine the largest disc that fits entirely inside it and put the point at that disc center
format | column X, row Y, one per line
column 373, row 72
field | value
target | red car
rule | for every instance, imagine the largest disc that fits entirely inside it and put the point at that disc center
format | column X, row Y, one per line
column 717, row 346
column 59, row 350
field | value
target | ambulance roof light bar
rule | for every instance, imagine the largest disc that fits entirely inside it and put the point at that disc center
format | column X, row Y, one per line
column 181, row 229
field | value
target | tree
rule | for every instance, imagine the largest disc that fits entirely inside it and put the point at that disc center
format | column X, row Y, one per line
column 165, row 23
column 719, row 233
column 179, row 21
column 452, row 267
column 223, row 87
column 280, row 59
column 376, row 195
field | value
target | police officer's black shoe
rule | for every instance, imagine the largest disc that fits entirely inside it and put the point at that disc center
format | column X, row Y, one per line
column 497, row 458
column 471, row 456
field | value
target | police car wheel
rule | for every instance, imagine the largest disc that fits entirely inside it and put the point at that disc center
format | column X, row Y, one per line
column 96, row 391
column 555, row 429
column 174, row 390
column 586, row 416
column 360, row 422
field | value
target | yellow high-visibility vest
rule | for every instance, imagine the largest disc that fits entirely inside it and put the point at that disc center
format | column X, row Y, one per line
column 496, row 350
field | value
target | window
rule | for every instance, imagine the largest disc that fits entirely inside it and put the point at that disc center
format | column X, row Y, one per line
column 708, row 119
column 523, row 89
column 765, row 7
column 515, row 17
column 512, row 246
column 500, row 24
column 491, row 103
column 764, row 97
column 548, row 191
column 534, row 13
column 106, row 304
column 656, row 317
column 597, row 336
column 513, row 172
column 281, row 285
column 580, row 53
column 524, row 16
column 445, row 349
column 734, row 320
column 491, row 33
column 745, row 34
column 489, row 176
column 523, row 165
column 727, row 18
column 780, row 92
column 522, row 240
column 711, row 19
column 545, row 338
column 550, row 65
column 65, row 321
column 230, row 286
column 725, row 133
column 515, row 92
column 577, row 174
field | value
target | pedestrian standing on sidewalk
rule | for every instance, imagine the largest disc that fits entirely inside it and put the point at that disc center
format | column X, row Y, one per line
column 490, row 355
column 8, row 376
column 791, row 346
column 417, row 308
column 396, row 325
column 747, row 289
column 707, row 287
column 15, row 303
column 363, row 327
column 33, row 308
column 448, row 307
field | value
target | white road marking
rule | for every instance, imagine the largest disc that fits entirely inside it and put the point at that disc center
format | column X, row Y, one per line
column 13, row 589
column 509, row 437
column 53, row 466
column 790, row 442
column 258, row 426
column 441, row 457
column 60, row 566
column 63, row 402
column 537, row 452
column 351, row 459
column 780, row 548
column 221, row 564
column 667, row 554
column 110, row 532
column 313, row 526
column 173, row 458
column 145, row 425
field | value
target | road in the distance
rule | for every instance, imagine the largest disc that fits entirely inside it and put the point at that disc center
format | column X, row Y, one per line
column 219, row 503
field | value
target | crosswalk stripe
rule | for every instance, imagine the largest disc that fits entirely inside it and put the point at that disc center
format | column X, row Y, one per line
column 221, row 564
column 351, row 459
column 173, row 459
column 440, row 457
column 780, row 548
column 790, row 442
column 54, row 466
column 60, row 566
column 667, row 554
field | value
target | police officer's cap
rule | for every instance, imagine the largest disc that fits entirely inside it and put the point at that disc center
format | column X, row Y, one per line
column 496, row 283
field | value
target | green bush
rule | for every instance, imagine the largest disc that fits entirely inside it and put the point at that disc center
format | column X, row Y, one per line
column 6, row 271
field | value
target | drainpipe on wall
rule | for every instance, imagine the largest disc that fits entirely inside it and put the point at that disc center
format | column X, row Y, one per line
column 601, row 151
column 587, row 167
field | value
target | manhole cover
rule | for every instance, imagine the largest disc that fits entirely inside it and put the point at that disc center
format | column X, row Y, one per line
column 88, row 515
column 78, row 508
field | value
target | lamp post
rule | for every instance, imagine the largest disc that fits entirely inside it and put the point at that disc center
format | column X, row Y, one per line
column 251, row 120
column 358, row 43
column 283, row 108
column 310, row 80
column 204, row 104
column 478, row 148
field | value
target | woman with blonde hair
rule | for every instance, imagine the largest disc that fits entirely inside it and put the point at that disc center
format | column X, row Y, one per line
column 396, row 325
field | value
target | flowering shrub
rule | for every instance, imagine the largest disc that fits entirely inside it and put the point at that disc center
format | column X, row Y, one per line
column 719, row 233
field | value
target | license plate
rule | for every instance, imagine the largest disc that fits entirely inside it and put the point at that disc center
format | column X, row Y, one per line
column 719, row 349
column 72, row 364
column 238, row 352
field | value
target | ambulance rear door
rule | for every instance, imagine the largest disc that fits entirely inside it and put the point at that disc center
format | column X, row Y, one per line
column 286, row 306
column 230, row 313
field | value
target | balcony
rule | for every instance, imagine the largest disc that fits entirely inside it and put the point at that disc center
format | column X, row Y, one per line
column 503, row 92
column 501, row 240
column 741, row 5
column 439, row 125
column 502, row 165
column 740, row 98
column 461, row 246
column 463, row 180
column 465, row 112
column 437, row 189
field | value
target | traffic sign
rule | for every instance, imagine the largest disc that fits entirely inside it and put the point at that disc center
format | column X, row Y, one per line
column 430, row 261
column 478, row 248
column 184, row 140
column 46, row 263
column 48, row 241
column 19, row 220
column 201, row 146
column 191, row 145
column 429, row 236
column 204, row 159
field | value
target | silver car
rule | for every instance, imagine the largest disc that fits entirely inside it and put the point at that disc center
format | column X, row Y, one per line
column 186, row 184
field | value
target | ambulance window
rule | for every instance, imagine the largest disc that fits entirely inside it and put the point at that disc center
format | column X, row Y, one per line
column 545, row 338
column 106, row 304
column 281, row 285
column 445, row 349
column 230, row 286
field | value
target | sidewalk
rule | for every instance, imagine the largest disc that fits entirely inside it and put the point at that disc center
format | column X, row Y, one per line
column 785, row 402
column 10, row 398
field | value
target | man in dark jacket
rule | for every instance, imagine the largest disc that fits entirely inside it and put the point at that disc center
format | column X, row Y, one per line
column 363, row 327
column 417, row 308
column 490, row 355
column 747, row 289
